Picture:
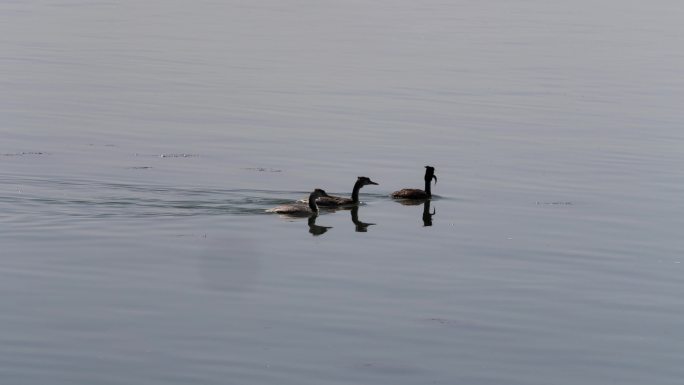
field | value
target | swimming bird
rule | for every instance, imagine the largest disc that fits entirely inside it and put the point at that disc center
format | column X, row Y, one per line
column 301, row 209
column 332, row 200
column 414, row 193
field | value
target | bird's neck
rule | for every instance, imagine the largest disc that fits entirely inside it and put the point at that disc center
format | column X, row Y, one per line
column 355, row 191
column 427, row 187
column 312, row 202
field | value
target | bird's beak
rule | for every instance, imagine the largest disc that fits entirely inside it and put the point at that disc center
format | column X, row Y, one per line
column 435, row 178
column 371, row 182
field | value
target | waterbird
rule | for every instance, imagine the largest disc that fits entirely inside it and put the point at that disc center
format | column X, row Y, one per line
column 301, row 209
column 414, row 193
column 332, row 200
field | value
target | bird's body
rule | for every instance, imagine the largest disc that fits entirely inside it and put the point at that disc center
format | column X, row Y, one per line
column 300, row 209
column 410, row 193
column 335, row 201
column 293, row 209
column 414, row 193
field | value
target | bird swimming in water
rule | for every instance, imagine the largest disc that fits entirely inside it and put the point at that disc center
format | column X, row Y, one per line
column 414, row 193
column 332, row 200
column 301, row 209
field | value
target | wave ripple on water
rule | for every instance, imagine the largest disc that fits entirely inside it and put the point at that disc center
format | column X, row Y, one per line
column 94, row 199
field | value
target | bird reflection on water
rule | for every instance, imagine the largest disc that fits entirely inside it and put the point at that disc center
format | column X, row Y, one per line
column 361, row 227
column 315, row 229
column 427, row 216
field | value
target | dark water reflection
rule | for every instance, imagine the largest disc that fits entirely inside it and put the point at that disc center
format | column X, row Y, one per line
column 315, row 229
column 427, row 215
column 359, row 227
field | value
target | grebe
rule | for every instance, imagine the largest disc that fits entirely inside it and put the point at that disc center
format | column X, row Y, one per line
column 332, row 200
column 414, row 193
column 301, row 209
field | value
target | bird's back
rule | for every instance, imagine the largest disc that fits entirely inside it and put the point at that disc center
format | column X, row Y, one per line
column 291, row 209
column 410, row 193
column 333, row 201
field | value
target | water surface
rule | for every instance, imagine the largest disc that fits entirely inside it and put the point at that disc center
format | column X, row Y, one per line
column 142, row 142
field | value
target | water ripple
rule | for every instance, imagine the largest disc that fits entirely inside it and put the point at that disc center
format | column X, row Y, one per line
column 97, row 199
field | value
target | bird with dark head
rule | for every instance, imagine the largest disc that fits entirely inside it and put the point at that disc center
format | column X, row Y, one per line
column 414, row 193
column 335, row 201
column 301, row 209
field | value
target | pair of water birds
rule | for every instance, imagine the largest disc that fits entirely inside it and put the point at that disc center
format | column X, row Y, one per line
column 319, row 197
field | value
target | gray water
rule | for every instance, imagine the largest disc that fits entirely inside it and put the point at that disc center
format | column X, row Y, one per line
column 142, row 142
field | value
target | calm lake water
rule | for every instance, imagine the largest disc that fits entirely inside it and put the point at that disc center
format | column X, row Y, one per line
column 142, row 142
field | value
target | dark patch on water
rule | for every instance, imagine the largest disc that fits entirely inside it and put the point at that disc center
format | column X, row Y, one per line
column 403, row 369
column 182, row 155
column 262, row 169
column 472, row 325
column 411, row 202
column 444, row 321
column 24, row 153
column 555, row 203
column 170, row 155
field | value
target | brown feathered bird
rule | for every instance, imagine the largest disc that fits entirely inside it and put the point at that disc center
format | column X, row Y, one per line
column 414, row 193
column 301, row 209
column 332, row 200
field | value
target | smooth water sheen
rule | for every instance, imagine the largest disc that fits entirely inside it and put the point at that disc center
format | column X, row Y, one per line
column 141, row 143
